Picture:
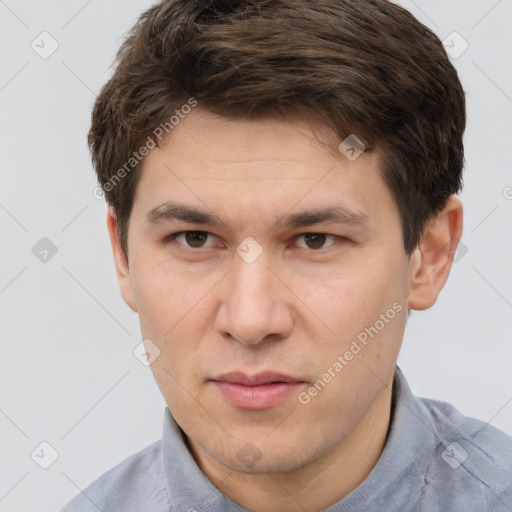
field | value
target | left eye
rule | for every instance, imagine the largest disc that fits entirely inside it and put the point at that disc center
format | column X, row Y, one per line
column 316, row 240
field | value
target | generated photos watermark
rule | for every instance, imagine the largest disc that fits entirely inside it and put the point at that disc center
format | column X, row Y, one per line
column 159, row 132
column 355, row 348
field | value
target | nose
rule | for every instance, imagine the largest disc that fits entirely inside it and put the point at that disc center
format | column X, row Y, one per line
column 255, row 304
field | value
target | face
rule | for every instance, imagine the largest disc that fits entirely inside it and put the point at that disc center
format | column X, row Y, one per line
column 272, row 278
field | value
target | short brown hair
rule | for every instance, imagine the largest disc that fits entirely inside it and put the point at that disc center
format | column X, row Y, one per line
column 363, row 67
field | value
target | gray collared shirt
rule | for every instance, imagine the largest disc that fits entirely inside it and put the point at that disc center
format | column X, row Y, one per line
column 435, row 460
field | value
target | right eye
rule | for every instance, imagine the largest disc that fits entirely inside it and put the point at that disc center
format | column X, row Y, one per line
column 190, row 239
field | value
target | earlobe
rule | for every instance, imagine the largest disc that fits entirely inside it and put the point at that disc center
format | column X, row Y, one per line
column 124, row 277
column 432, row 259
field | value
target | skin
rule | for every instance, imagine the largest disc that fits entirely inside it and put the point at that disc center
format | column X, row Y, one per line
column 294, row 309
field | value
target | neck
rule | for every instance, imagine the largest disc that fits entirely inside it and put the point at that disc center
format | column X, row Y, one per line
column 315, row 486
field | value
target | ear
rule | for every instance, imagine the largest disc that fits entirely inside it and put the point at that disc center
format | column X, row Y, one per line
column 432, row 259
column 121, row 261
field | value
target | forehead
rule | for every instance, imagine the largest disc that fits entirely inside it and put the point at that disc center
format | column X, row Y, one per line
column 240, row 167
column 219, row 140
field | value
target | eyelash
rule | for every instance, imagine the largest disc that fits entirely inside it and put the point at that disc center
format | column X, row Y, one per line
column 173, row 236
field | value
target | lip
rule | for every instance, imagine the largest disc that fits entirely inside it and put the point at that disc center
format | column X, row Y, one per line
column 261, row 391
column 256, row 380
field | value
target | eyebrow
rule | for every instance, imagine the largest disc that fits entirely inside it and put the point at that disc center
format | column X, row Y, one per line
column 169, row 212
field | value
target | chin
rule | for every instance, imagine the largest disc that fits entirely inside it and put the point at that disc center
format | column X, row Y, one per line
column 252, row 459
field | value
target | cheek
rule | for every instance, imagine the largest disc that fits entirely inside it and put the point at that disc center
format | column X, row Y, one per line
column 347, row 303
column 360, row 316
column 170, row 312
column 173, row 313
column 164, row 295
column 367, row 315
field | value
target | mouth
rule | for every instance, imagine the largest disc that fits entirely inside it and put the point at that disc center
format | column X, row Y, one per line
column 255, row 392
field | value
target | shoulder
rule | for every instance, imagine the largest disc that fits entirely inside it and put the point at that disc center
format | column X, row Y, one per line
column 472, row 459
column 133, row 485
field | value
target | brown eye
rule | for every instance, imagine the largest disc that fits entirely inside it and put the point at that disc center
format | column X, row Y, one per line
column 314, row 240
column 195, row 239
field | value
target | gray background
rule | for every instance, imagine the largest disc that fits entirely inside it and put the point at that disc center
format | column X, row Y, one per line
column 68, row 374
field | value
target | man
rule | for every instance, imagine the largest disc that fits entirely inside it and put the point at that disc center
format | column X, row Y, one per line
column 281, row 178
